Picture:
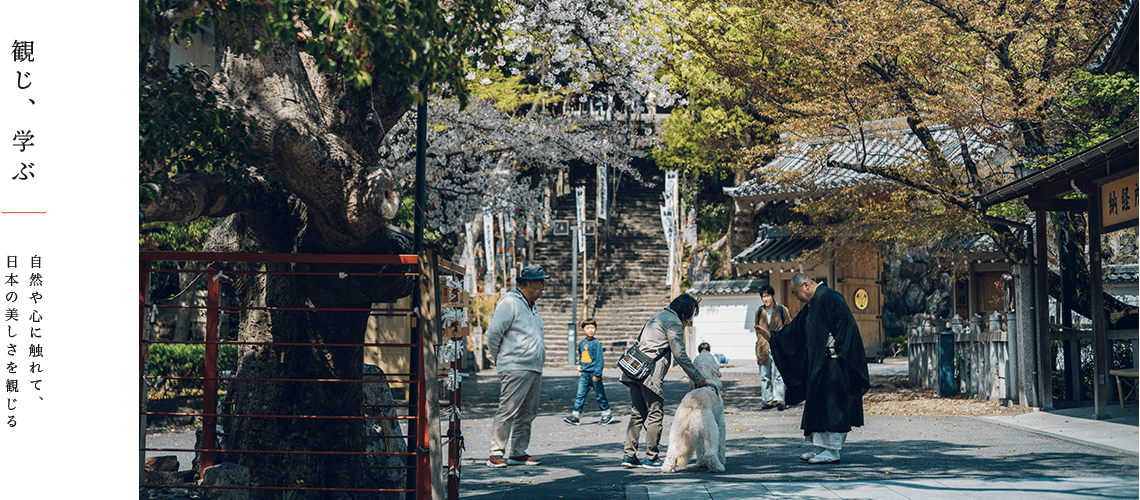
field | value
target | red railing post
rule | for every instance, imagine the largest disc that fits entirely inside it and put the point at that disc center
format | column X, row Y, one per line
column 423, row 435
column 144, row 285
column 210, row 383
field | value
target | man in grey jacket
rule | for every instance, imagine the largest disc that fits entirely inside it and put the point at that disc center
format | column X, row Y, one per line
column 662, row 337
column 515, row 341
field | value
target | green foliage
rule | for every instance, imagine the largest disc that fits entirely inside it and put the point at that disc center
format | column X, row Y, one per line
column 185, row 360
column 509, row 94
column 703, row 140
column 181, row 130
column 395, row 44
column 712, row 218
column 482, row 307
column 1014, row 210
column 406, row 218
column 1121, row 352
column 175, row 236
column 705, row 136
column 398, row 45
column 1101, row 107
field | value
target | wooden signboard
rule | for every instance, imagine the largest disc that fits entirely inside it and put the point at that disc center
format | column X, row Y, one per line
column 1119, row 203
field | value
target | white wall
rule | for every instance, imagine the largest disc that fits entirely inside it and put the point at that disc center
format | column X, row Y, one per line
column 725, row 322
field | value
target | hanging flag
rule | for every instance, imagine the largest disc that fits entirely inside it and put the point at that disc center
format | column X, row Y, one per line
column 469, row 260
column 580, row 199
column 671, row 191
column 489, row 251
column 667, row 227
column 603, row 189
column 506, row 236
column 671, row 208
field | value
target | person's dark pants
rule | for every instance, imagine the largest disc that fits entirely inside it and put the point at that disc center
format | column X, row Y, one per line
column 648, row 411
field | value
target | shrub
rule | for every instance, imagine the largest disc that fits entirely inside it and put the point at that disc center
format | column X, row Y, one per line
column 184, row 360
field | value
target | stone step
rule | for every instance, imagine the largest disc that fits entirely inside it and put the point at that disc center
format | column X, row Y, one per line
column 630, row 285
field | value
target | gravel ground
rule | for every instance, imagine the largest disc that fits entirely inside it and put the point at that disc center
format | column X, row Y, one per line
column 893, row 396
column 888, row 396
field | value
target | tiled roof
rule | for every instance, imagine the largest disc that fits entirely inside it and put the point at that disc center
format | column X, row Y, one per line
column 727, row 287
column 890, row 144
column 1121, row 273
column 774, row 244
column 1116, row 49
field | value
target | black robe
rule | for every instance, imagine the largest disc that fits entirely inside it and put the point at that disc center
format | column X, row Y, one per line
column 832, row 388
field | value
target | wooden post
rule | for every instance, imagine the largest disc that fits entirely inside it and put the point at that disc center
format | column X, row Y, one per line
column 1044, row 361
column 1100, row 326
column 429, row 456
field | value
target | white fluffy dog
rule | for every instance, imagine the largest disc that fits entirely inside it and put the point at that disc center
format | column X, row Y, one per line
column 698, row 427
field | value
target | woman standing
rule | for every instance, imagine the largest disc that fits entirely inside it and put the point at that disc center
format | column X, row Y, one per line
column 663, row 335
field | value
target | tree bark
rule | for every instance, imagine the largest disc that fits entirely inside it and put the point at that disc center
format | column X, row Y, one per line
column 327, row 195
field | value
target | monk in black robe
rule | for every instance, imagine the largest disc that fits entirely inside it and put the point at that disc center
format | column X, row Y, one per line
column 820, row 355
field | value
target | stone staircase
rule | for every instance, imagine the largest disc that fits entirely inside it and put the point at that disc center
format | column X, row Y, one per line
column 630, row 286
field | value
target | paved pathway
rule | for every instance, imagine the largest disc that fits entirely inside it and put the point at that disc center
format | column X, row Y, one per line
column 1039, row 455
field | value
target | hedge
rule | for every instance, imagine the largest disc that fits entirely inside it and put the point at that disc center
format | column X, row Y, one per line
column 186, row 360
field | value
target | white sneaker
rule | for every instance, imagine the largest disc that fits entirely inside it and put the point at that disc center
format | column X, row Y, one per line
column 826, row 457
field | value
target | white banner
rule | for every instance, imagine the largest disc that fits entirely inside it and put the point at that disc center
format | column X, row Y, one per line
column 489, row 249
column 469, row 260
column 671, row 208
column 505, row 235
column 667, row 227
column 603, row 189
column 580, row 198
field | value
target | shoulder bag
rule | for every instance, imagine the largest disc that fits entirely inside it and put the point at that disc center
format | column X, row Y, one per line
column 636, row 364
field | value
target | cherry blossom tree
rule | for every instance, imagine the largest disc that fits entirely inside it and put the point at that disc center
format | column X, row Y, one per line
column 298, row 141
column 494, row 155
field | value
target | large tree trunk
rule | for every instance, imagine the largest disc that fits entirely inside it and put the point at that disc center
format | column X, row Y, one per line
column 327, row 195
column 243, row 233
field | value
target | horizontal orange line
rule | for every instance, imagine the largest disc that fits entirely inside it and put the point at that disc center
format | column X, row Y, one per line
column 23, row 212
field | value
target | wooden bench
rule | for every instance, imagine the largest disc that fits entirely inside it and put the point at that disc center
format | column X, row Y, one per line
column 1126, row 373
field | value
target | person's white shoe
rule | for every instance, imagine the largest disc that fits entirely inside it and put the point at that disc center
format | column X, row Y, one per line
column 825, row 457
column 808, row 456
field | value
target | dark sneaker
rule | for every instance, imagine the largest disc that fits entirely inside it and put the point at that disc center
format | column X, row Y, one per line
column 606, row 420
column 630, row 462
column 768, row 406
column 572, row 420
column 651, row 464
column 523, row 460
column 496, row 462
column 781, row 406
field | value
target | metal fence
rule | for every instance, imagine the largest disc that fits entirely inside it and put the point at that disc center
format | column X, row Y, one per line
column 418, row 455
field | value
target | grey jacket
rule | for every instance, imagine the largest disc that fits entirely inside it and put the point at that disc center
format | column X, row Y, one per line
column 664, row 332
column 515, row 336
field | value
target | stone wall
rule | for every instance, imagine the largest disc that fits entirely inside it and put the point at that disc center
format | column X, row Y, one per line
column 913, row 285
